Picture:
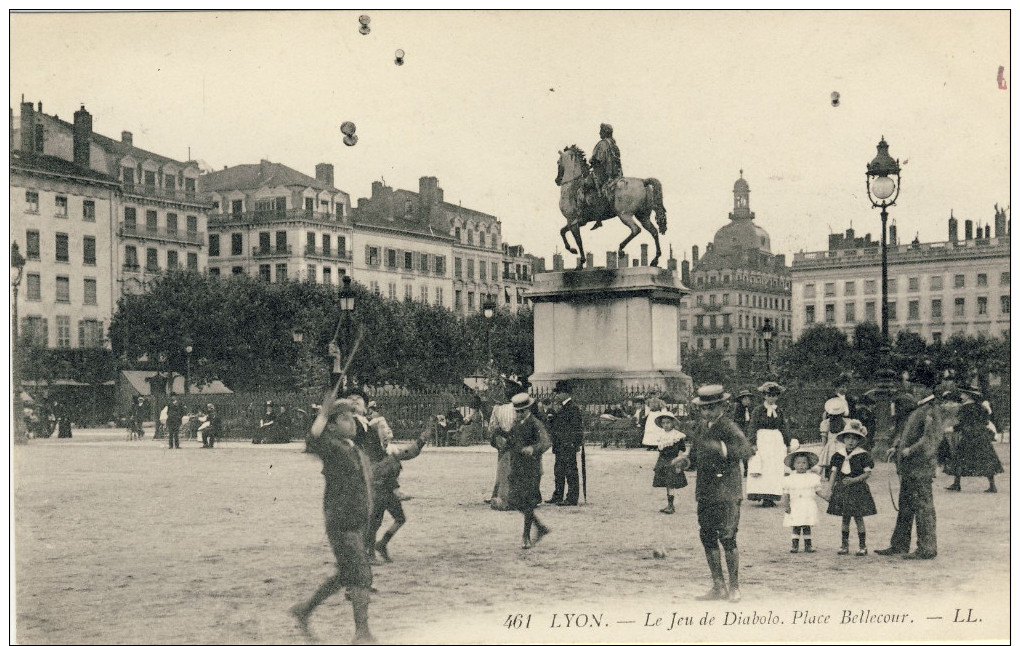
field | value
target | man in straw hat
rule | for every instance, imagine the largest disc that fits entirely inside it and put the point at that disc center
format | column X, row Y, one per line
column 719, row 450
column 347, row 505
column 914, row 450
column 528, row 440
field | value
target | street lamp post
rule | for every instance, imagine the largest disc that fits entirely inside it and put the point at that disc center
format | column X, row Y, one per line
column 489, row 310
column 346, row 313
column 187, row 372
column 766, row 335
column 18, row 265
column 883, row 183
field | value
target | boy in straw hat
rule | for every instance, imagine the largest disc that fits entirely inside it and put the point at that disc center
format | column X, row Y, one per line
column 347, row 505
column 527, row 441
column 719, row 450
column 799, row 491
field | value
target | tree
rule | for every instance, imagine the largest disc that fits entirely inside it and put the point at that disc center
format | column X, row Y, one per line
column 819, row 355
column 708, row 367
column 866, row 353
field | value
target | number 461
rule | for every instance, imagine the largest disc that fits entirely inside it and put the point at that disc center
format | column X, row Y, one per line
column 517, row 621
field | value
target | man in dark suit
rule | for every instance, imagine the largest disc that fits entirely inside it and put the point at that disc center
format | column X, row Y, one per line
column 719, row 451
column 174, row 413
column 914, row 450
column 567, row 437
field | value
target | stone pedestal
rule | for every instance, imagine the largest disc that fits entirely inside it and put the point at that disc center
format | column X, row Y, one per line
column 612, row 327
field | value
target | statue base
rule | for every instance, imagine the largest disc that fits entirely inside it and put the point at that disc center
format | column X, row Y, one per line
column 609, row 328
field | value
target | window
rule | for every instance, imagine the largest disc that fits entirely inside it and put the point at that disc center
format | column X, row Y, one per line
column 32, row 201
column 471, row 236
column 61, row 206
column 869, row 287
column 327, row 244
column 62, row 253
column 214, row 244
column 1004, row 278
column 310, row 273
column 63, row 331
column 192, row 262
column 913, row 310
column 726, row 340
column 310, row 243
column 151, row 259
column 88, row 211
column 90, row 333
column 711, row 322
column 281, row 272
column 151, row 222
column 892, row 310
column 408, row 260
column 959, row 306
column 456, row 268
column 699, row 320
column 63, row 289
column 936, row 283
column 189, row 184
column 683, row 325
column 89, row 250
column 711, row 299
column 481, row 270
column 892, row 285
column 830, row 289
column 494, row 271
column 214, row 272
column 936, row 308
column 236, row 244
column 392, row 291
column 423, row 265
column 171, row 224
column 309, row 204
column 35, row 331
column 456, row 300
column 725, row 299
column 265, row 273
column 1004, row 304
column 850, row 312
column 265, row 242
column 171, row 260
column 481, row 238
column 281, row 241
column 936, row 338
column 90, row 291
column 959, row 281
column 441, row 265
column 408, row 292
column 849, row 288
column 237, row 206
column 33, row 287
column 391, row 258
column 711, row 344
column 701, row 343
column 374, row 286
column 470, row 268
column 237, row 270
column 726, row 320
column 130, row 218
column 32, row 245
column 129, row 175
column 130, row 257
column 423, row 294
column 913, row 283
column 830, row 313
column 982, row 305
column 341, row 246
column 439, row 296
column 372, row 256
column 471, row 295
column 809, row 314
column 982, row 280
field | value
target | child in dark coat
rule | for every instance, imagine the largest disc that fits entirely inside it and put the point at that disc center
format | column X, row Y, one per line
column 384, row 490
column 850, row 495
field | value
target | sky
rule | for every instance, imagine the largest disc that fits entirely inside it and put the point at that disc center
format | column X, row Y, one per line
column 485, row 100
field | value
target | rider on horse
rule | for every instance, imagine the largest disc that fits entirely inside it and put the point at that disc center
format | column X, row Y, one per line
column 606, row 169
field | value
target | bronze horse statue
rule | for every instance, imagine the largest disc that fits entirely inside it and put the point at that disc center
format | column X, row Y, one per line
column 580, row 202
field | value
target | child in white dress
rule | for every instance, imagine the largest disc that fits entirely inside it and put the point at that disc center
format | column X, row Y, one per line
column 799, row 491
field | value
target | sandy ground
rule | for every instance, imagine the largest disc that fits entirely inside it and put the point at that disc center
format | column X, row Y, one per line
column 128, row 542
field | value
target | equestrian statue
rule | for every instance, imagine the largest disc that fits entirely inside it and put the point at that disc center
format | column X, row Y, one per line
column 600, row 192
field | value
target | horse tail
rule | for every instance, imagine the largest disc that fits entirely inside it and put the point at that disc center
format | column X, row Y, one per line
column 657, row 205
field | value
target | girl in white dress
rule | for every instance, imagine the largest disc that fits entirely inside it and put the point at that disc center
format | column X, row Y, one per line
column 799, row 491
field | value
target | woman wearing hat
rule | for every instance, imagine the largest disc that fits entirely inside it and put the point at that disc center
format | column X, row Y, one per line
column 832, row 425
column 266, row 425
column 768, row 433
column 669, row 472
column 799, row 490
column 527, row 441
column 974, row 454
column 850, row 495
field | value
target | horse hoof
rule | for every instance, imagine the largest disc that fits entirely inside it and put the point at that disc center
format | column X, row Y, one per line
column 654, row 263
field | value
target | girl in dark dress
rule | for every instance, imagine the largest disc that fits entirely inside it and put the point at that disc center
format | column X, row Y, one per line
column 850, row 496
column 974, row 454
column 527, row 441
column 672, row 449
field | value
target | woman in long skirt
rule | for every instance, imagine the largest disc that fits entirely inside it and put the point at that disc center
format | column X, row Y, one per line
column 528, row 440
column 769, row 436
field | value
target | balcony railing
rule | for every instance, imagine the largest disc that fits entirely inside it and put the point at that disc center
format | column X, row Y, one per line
column 265, row 252
column 161, row 233
column 259, row 217
column 312, row 251
column 711, row 307
column 151, row 190
column 719, row 329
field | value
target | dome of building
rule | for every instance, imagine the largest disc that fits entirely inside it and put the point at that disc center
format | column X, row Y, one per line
column 740, row 235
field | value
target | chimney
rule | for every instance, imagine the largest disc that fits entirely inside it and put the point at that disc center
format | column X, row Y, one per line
column 694, row 255
column 610, row 260
column 635, row 261
column 968, row 229
column 40, row 108
column 27, row 127
column 557, row 261
column 671, row 264
column 539, row 266
column 978, row 231
column 427, row 197
column 685, row 272
column 324, row 173
column 708, row 247
column 127, row 138
column 82, row 136
column 781, row 260
column 1000, row 221
column 644, row 255
column 954, row 228
column 589, row 259
column 988, row 231
column 621, row 260
column 892, row 234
